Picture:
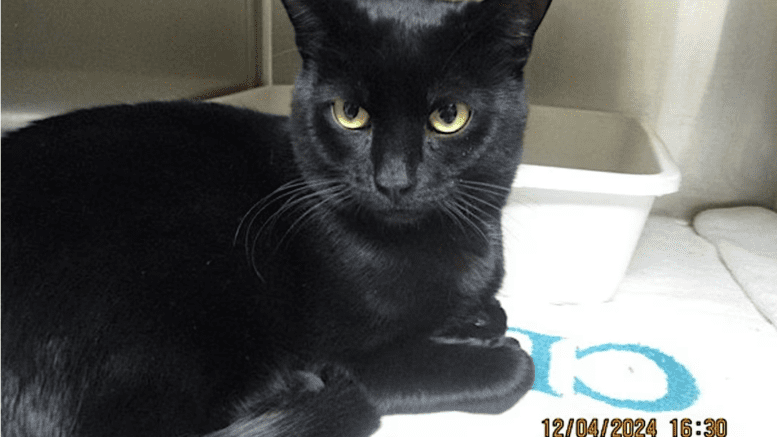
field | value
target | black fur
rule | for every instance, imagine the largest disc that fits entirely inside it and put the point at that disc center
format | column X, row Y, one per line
column 181, row 269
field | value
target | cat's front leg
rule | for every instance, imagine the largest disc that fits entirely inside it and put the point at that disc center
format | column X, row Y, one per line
column 431, row 375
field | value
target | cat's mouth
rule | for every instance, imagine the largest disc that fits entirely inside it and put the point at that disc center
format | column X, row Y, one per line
column 398, row 216
column 408, row 210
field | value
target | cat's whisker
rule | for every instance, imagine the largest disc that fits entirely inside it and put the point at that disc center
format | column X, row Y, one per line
column 290, row 196
column 293, row 200
column 473, row 188
column 485, row 186
column 509, row 223
column 485, row 194
column 489, row 189
column 297, row 199
column 459, row 208
column 294, row 188
column 471, row 209
column 447, row 210
column 331, row 195
column 261, row 205
column 481, row 201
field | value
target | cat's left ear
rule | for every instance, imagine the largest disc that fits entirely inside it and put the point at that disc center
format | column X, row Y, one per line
column 524, row 17
column 309, row 32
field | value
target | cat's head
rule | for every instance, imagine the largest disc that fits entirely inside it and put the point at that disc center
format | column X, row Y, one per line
column 410, row 108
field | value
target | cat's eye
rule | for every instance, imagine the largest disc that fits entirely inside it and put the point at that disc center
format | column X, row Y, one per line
column 349, row 115
column 451, row 118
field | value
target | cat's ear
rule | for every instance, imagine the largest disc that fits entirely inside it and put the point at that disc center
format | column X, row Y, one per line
column 523, row 19
column 309, row 30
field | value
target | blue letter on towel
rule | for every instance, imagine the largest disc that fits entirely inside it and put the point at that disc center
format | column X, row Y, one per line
column 681, row 389
column 540, row 353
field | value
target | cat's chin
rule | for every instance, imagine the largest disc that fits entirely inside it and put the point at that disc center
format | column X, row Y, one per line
column 400, row 217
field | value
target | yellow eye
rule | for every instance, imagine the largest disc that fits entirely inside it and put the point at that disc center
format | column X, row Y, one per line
column 450, row 118
column 349, row 115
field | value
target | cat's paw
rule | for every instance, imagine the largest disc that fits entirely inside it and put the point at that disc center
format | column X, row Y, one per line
column 319, row 400
column 469, row 341
column 484, row 326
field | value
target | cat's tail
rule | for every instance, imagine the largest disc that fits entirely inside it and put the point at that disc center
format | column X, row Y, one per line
column 324, row 401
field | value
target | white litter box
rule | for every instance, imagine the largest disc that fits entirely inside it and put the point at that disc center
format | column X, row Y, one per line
column 579, row 202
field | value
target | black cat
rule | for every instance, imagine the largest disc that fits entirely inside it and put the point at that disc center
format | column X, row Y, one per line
column 181, row 269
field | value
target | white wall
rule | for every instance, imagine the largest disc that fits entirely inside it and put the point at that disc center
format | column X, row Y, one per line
column 703, row 73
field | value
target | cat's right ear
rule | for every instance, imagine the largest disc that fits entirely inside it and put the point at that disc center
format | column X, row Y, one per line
column 305, row 16
column 523, row 19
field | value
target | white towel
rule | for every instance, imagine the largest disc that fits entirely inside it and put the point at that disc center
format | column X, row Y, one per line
column 746, row 238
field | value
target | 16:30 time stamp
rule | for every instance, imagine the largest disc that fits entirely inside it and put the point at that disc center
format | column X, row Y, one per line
column 633, row 427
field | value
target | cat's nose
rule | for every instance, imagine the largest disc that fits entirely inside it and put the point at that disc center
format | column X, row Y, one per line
column 393, row 179
column 394, row 192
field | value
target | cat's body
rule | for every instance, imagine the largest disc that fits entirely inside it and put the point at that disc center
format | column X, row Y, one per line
column 176, row 269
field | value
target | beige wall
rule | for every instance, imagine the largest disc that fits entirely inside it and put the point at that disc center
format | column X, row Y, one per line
column 84, row 52
column 285, row 59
